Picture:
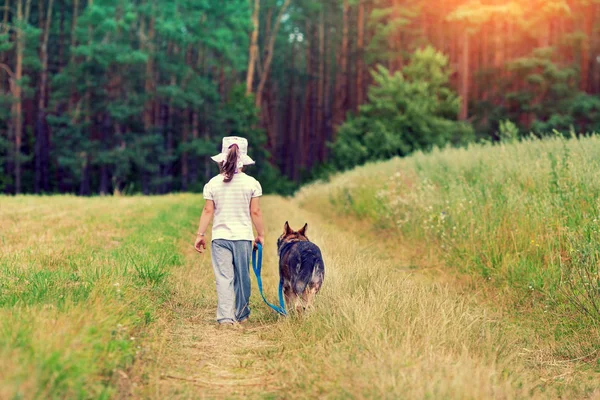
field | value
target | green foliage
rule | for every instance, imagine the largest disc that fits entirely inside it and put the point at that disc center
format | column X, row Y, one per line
column 473, row 14
column 508, row 131
column 548, row 99
column 182, row 61
column 104, row 131
column 388, row 20
column 522, row 215
column 240, row 118
column 411, row 110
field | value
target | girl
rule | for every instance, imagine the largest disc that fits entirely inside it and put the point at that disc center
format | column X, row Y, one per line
column 232, row 199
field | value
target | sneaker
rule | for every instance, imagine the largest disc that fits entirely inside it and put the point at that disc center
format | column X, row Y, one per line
column 230, row 325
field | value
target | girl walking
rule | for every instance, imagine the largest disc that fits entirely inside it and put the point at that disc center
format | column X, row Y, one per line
column 232, row 202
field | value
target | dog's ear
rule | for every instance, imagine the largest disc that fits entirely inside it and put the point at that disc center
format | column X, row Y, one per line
column 286, row 229
column 303, row 230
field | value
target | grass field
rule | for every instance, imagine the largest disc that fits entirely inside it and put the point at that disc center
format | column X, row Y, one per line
column 450, row 275
column 525, row 216
column 80, row 281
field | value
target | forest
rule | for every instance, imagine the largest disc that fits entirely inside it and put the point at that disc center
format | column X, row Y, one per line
column 122, row 96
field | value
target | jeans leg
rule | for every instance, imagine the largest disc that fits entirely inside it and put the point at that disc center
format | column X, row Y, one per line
column 222, row 260
column 242, row 252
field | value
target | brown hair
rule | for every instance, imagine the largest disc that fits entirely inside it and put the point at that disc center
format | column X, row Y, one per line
column 229, row 166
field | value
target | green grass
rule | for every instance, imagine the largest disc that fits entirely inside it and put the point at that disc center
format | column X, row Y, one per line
column 79, row 281
column 524, row 216
column 97, row 294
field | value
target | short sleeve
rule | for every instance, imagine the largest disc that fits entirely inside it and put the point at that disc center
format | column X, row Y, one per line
column 207, row 192
column 256, row 189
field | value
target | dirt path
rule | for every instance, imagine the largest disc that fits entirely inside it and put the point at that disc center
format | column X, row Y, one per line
column 381, row 329
column 197, row 359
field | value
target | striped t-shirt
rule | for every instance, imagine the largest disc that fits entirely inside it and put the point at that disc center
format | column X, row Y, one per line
column 232, row 220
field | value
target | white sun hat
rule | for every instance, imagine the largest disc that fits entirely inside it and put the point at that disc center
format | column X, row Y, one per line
column 242, row 144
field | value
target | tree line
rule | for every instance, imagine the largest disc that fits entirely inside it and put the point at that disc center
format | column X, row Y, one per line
column 101, row 96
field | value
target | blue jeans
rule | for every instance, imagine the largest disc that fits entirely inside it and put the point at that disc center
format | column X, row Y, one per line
column 231, row 264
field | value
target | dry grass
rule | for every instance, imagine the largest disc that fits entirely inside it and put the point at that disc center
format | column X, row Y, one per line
column 72, row 303
column 380, row 330
column 386, row 324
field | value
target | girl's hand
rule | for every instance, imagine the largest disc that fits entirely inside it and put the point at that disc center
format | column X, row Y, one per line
column 259, row 239
column 200, row 244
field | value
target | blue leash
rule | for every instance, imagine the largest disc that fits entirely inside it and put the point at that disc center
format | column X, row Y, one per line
column 257, row 266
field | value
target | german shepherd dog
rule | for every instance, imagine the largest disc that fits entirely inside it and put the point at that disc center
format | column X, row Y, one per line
column 301, row 268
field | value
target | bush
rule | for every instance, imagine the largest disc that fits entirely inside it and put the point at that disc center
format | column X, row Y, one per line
column 410, row 110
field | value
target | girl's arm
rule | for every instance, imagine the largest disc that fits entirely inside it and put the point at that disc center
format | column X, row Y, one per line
column 205, row 218
column 256, row 214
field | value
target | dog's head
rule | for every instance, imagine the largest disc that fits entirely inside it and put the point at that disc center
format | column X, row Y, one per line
column 290, row 235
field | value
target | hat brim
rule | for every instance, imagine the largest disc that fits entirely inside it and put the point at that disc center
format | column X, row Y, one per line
column 246, row 160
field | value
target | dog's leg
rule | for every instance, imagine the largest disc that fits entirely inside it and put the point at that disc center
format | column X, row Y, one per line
column 290, row 296
column 314, row 286
column 292, row 300
column 309, row 295
column 299, row 304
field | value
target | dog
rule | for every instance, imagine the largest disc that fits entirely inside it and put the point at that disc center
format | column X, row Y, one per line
column 301, row 268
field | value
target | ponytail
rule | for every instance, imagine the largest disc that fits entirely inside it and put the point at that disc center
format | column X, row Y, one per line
column 229, row 166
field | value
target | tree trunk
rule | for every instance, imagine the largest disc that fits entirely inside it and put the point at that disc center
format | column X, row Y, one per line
column 341, row 78
column 195, row 136
column 74, row 27
column 360, row 63
column 395, row 41
column 327, row 84
column 596, row 47
column 320, row 119
column 499, row 46
column 4, row 31
column 184, row 155
column 464, row 79
column 89, row 121
column 307, row 143
column 17, row 107
column 149, row 82
column 104, row 144
column 84, row 182
column 4, row 72
column 588, row 30
column 290, row 153
column 266, row 65
column 74, row 96
column 170, row 110
column 61, row 36
column 5, row 17
column 206, row 137
column 253, row 47
column 544, row 40
column 41, row 146
column 184, row 116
